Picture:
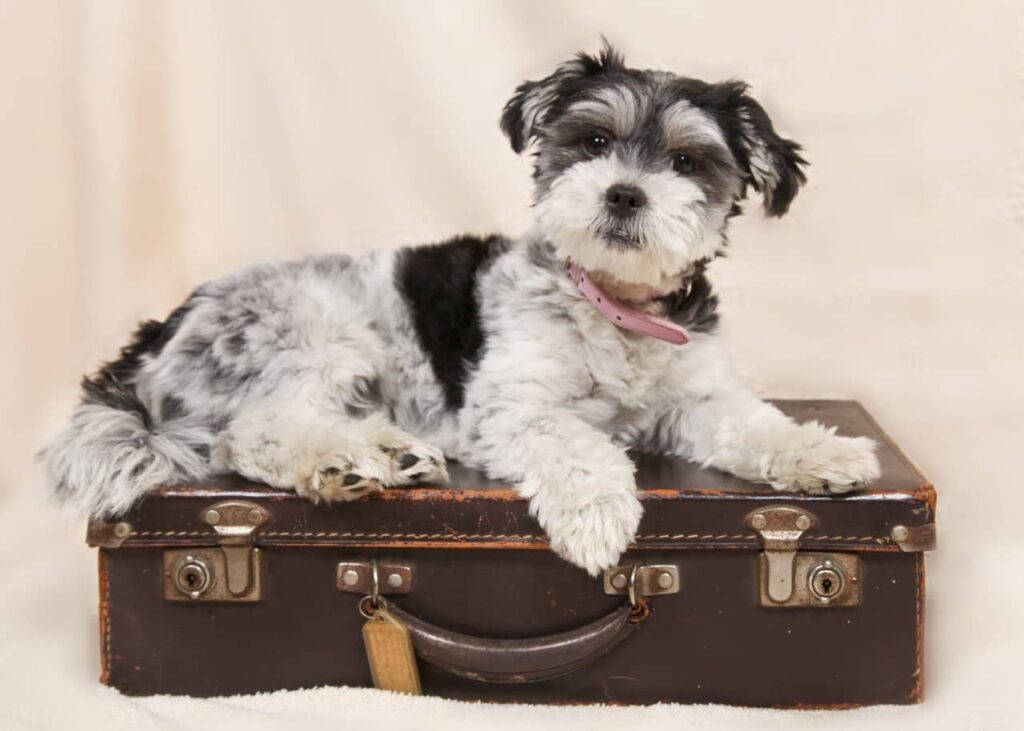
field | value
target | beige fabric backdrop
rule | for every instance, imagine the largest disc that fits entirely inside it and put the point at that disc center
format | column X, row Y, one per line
column 146, row 147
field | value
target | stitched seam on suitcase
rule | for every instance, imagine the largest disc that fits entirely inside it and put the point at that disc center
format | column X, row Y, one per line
column 919, row 649
column 105, row 620
column 110, row 632
column 497, row 536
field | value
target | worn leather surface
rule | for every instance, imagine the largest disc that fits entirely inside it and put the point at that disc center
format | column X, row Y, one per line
column 709, row 643
column 685, row 506
column 477, row 574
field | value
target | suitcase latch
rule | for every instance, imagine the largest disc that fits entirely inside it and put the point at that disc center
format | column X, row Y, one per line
column 790, row 579
column 780, row 528
column 232, row 572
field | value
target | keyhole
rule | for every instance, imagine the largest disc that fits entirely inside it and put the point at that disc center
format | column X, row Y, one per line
column 193, row 576
column 826, row 582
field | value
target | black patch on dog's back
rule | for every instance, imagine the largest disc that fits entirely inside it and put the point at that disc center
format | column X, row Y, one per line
column 694, row 307
column 438, row 283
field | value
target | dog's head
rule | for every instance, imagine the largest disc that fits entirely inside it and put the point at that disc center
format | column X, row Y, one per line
column 637, row 172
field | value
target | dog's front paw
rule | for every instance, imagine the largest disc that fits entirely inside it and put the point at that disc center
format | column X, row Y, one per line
column 591, row 520
column 812, row 458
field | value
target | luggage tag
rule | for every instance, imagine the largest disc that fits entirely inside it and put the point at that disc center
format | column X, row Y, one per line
column 390, row 653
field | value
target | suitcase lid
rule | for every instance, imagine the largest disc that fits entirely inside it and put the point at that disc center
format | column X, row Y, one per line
column 685, row 507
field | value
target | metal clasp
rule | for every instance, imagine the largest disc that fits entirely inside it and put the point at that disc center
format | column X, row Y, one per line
column 790, row 579
column 235, row 522
column 232, row 572
column 780, row 527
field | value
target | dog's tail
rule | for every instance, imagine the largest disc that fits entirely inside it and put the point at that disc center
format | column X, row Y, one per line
column 113, row 451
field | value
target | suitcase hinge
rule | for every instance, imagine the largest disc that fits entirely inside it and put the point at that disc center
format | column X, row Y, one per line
column 230, row 573
column 791, row 579
column 913, row 538
column 107, row 535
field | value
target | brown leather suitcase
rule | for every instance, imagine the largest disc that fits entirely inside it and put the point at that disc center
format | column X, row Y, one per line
column 733, row 593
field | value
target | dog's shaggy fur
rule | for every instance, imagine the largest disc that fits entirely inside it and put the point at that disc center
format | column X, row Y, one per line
column 340, row 376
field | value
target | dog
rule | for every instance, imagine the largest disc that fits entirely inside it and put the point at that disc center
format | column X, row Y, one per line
column 539, row 360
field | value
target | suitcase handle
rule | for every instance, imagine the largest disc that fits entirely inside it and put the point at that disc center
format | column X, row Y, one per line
column 525, row 660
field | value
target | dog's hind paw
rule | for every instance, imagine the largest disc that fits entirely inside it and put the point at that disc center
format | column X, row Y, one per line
column 384, row 457
column 344, row 477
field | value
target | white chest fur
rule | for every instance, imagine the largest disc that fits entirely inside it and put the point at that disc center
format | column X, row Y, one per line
column 623, row 366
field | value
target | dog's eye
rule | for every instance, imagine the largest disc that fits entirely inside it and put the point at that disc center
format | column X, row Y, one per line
column 684, row 164
column 595, row 144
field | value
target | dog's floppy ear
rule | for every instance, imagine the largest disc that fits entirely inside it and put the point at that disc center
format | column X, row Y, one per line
column 773, row 164
column 526, row 113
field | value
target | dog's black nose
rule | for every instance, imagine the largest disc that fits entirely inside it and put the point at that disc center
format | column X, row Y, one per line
column 623, row 201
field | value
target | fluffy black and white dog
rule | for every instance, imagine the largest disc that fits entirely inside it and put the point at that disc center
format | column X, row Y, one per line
column 341, row 376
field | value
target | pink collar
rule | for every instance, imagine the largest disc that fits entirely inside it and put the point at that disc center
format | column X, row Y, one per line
column 625, row 317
